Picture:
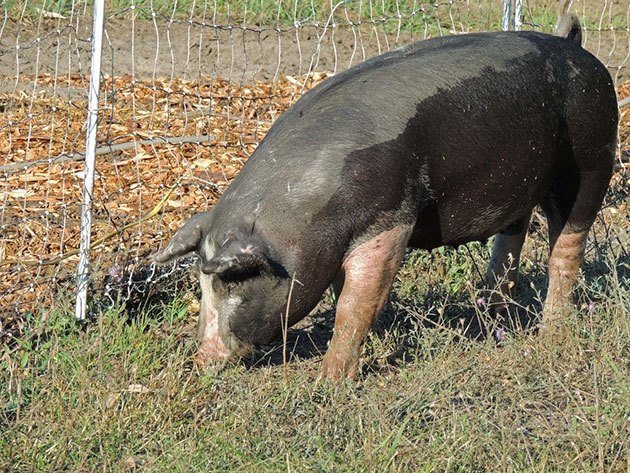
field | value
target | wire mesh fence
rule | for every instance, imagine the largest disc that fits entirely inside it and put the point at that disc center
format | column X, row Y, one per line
column 188, row 90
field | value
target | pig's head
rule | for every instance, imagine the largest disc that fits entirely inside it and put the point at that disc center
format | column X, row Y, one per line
column 243, row 291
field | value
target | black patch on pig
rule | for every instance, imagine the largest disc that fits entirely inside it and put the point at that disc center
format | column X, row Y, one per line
column 473, row 158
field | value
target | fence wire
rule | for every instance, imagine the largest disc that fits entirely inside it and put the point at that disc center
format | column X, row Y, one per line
column 187, row 92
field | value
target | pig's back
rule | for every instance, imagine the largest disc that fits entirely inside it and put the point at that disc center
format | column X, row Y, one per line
column 419, row 123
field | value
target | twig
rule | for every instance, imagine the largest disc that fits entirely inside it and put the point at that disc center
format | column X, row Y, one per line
column 285, row 330
column 99, row 241
column 108, row 149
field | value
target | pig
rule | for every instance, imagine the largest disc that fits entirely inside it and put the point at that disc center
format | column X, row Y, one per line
column 441, row 142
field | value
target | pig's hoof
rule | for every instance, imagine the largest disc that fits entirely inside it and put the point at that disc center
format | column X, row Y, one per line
column 209, row 367
column 335, row 367
column 200, row 361
column 203, row 361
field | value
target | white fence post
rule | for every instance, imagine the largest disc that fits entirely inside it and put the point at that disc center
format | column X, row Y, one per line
column 512, row 18
column 518, row 15
column 505, row 14
column 83, row 277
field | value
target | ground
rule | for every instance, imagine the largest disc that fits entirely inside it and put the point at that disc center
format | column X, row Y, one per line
column 164, row 79
column 445, row 386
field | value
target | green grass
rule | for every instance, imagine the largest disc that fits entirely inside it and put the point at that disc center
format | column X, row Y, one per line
column 435, row 394
column 417, row 17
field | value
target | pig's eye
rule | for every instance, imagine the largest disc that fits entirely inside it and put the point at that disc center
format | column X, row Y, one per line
column 231, row 283
column 238, row 275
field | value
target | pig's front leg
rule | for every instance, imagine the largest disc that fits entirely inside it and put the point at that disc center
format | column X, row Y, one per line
column 369, row 273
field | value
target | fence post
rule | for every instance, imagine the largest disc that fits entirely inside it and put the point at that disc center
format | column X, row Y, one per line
column 505, row 14
column 83, row 277
column 518, row 15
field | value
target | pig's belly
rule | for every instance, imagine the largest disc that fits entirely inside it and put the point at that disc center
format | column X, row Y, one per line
column 455, row 226
column 474, row 206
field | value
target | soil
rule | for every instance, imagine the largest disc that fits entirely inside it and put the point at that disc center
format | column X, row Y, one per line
column 241, row 55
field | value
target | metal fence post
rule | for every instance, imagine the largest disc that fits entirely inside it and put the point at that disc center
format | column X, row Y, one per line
column 518, row 15
column 512, row 15
column 90, row 161
column 505, row 14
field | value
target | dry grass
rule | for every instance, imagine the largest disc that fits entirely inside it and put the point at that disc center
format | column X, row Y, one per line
column 444, row 387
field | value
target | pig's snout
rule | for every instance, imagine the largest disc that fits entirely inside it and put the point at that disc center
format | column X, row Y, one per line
column 218, row 344
column 212, row 347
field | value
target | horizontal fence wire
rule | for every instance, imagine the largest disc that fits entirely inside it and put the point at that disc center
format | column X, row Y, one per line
column 188, row 90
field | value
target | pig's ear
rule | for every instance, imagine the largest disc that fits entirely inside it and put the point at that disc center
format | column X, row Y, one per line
column 186, row 239
column 238, row 261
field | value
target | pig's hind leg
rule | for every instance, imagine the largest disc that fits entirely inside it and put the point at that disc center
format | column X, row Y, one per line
column 571, row 208
column 369, row 272
column 502, row 274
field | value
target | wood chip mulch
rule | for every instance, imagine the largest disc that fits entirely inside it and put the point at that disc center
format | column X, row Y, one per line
column 41, row 176
column 142, row 193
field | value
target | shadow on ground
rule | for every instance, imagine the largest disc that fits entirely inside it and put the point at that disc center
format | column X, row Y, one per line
column 406, row 319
